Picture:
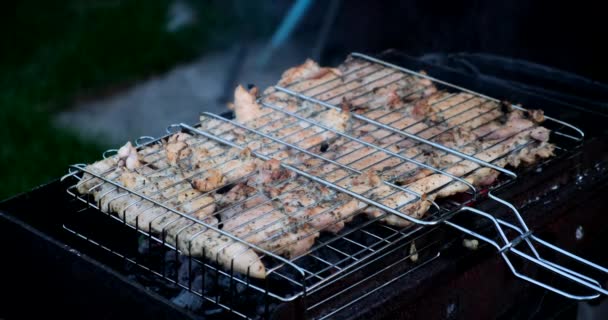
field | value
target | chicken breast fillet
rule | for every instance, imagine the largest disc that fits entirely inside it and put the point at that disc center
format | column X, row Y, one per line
column 160, row 177
column 196, row 179
column 464, row 122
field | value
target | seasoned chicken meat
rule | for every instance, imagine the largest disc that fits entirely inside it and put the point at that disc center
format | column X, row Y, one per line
column 220, row 200
column 160, row 177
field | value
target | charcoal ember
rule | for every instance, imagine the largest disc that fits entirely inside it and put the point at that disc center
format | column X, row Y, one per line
column 236, row 286
column 158, row 259
column 183, row 273
column 194, row 278
column 214, row 312
column 150, row 253
column 192, row 275
column 171, row 267
column 143, row 245
column 188, row 300
column 261, row 309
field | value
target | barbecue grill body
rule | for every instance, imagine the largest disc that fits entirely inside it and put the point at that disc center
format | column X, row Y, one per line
column 70, row 278
column 47, row 277
column 476, row 284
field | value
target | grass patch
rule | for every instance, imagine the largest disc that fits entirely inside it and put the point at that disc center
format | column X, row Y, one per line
column 33, row 151
column 59, row 50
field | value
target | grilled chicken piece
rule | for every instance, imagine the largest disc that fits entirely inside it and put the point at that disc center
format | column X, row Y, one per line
column 333, row 118
column 443, row 186
column 129, row 155
column 323, row 209
column 266, row 222
column 212, row 180
column 245, row 106
column 331, row 216
column 301, row 198
column 237, row 193
column 167, row 185
column 537, row 115
column 169, row 189
column 309, row 70
column 200, row 241
column 515, row 123
column 370, row 184
column 269, row 206
column 239, row 166
column 188, row 152
column 269, row 120
column 223, row 169
column 273, row 230
column 270, row 172
column 338, row 120
column 176, row 151
column 112, row 167
column 366, row 86
column 429, row 121
column 104, row 168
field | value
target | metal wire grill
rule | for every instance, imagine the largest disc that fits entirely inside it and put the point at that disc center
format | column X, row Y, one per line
column 331, row 257
column 365, row 239
column 331, row 164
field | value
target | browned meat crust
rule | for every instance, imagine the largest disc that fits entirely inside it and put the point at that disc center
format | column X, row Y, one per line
column 267, row 205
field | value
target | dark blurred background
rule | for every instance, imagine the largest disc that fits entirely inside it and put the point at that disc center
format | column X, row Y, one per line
column 71, row 57
column 564, row 34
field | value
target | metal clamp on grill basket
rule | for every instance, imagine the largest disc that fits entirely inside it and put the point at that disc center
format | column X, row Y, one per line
column 320, row 177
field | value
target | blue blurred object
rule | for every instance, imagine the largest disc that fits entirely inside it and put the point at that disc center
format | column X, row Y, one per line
column 295, row 14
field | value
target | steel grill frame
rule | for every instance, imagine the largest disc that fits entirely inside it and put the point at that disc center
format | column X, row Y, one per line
column 222, row 140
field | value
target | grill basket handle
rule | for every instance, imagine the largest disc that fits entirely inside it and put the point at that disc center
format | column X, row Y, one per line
column 524, row 235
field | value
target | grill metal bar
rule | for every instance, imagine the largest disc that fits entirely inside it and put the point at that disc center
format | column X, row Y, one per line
column 526, row 236
column 362, row 136
column 315, row 178
column 302, row 173
column 246, row 236
column 409, row 135
column 241, row 126
column 525, row 233
column 75, row 171
column 368, row 293
column 373, row 146
column 295, row 147
column 417, row 155
column 134, row 262
column 303, row 127
column 162, row 239
column 576, row 130
column 233, row 123
column 150, row 236
column 355, row 150
column 439, row 133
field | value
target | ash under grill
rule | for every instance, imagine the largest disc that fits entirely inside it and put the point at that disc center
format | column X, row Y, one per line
column 361, row 242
